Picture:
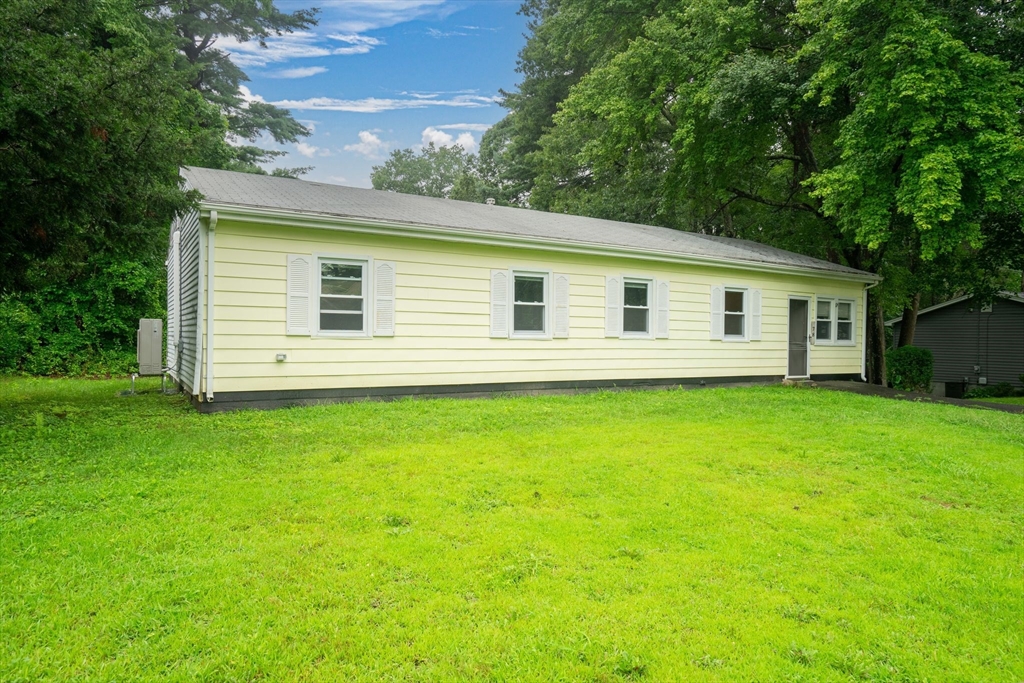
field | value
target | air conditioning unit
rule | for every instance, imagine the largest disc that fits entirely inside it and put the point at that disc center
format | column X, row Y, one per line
column 149, row 346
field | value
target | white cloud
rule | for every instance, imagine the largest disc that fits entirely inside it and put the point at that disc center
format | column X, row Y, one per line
column 369, row 145
column 247, row 95
column 372, row 105
column 478, row 127
column 356, row 39
column 337, row 179
column 441, row 139
column 435, row 33
column 306, row 150
column 300, row 72
column 358, row 16
column 298, row 45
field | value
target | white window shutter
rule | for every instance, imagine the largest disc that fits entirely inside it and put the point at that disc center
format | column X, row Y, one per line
column 717, row 312
column 384, row 298
column 300, row 267
column 499, row 303
column 561, row 328
column 663, row 309
column 755, row 315
column 613, row 307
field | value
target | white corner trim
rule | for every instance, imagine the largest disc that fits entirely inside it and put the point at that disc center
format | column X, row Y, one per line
column 210, row 256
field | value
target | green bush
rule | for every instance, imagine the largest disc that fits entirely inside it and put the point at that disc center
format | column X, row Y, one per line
column 19, row 330
column 1001, row 390
column 909, row 368
column 83, row 325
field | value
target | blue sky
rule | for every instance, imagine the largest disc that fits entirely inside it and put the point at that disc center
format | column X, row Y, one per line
column 379, row 75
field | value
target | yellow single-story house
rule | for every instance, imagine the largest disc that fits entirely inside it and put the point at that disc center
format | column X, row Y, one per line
column 287, row 292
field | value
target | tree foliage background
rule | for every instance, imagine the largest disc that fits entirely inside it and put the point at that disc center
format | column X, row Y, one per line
column 101, row 102
column 883, row 134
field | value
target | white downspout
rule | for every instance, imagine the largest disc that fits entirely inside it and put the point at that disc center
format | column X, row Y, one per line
column 864, row 345
column 210, row 231
column 197, row 369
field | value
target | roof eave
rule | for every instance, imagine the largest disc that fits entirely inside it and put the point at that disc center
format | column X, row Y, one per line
column 299, row 218
column 1009, row 296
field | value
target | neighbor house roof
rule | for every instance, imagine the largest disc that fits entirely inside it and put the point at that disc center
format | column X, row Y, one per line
column 1009, row 296
column 268, row 195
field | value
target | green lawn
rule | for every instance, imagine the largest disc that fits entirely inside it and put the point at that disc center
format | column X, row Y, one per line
column 765, row 534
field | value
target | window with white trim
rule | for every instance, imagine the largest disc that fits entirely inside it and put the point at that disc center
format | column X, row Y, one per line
column 341, row 296
column 735, row 323
column 637, row 296
column 834, row 321
column 529, row 304
column 823, row 321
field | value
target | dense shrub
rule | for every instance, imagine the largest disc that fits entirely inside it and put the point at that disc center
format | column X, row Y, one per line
column 81, row 325
column 909, row 368
column 1001, row 390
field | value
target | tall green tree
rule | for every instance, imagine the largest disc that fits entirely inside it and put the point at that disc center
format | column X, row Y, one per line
column 885, row 135
column 447, row 171
column 94, row 124
column 197, row 25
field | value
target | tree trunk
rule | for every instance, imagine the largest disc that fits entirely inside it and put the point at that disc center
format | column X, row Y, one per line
column 908, row 326
column 876, row 340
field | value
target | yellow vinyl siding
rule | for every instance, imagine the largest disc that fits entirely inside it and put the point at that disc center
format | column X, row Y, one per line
column 443, row 319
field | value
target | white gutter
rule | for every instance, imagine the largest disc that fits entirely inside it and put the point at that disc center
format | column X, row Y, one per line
column 302, row 219
column 864, row 346
column 211, row 232
column 197, row 369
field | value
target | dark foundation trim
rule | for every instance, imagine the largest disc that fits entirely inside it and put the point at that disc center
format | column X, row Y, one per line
column 265, row 400
column 848, row 377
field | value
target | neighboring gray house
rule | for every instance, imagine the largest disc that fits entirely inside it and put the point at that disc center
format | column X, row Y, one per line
column 973, row 344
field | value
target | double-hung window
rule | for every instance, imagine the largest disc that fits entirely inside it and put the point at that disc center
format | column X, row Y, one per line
column 844, row 321
column 636, row 308
column 823, row 321
column 735, row 314
column 834, row 321
column 529, row 304
column 342, row 297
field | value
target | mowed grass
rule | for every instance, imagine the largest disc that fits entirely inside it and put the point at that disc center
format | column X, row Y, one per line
column 761, row 534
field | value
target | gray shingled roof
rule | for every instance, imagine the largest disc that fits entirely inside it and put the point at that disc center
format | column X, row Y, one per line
column 249, row 190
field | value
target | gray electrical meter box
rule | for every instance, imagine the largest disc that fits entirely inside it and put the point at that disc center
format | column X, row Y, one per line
column 149, row 350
